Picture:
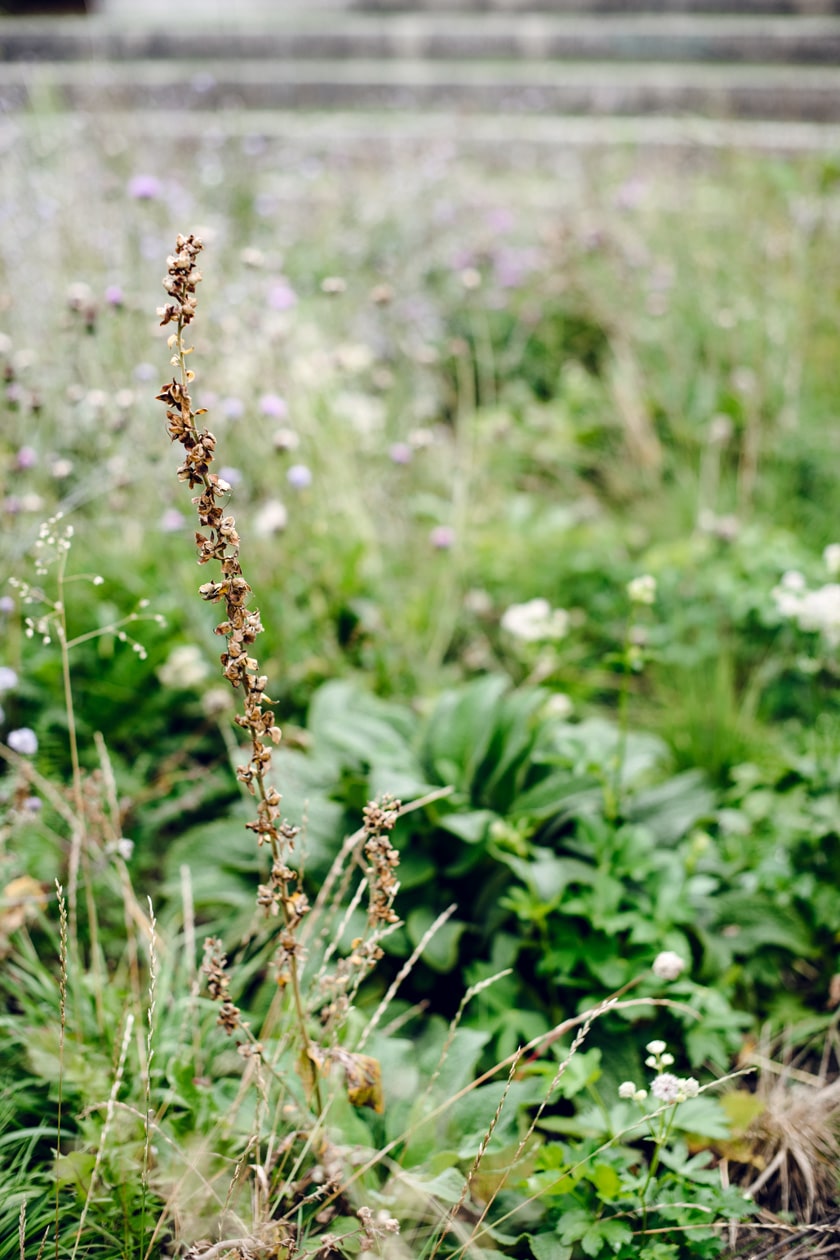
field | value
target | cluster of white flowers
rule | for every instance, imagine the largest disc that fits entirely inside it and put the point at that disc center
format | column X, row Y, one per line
column 817, row 612
column 668, row 1088
column 642, row 589
column 535, row 622
column 665, row 1086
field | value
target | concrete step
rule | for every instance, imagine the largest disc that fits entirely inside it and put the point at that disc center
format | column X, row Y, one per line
column 771, row 93
column 304, row 35
column 525, row 146
column 214, row 10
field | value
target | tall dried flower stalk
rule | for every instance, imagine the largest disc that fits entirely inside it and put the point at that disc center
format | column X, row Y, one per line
column 217, row 540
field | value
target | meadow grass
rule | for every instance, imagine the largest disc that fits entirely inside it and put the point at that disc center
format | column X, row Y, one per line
column 519, row 466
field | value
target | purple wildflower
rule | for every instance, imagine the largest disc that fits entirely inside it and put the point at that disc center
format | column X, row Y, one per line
column 275, row 406
column 144, row 187
column 442, row 537
column 299, row 477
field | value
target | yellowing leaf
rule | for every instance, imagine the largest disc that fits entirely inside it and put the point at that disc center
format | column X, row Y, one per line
column 19, row 902
column 362, row 1078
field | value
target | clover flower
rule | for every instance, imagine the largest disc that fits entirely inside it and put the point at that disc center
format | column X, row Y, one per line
column 816, row 612
column 535, row 621
column 144, row 187
column 831, row 559
column 271, row 518
column 172, row 520
column 281, row 296
column 442, row 537
column 642, row 589
column 274, row 406
column 8, row 678
column 185, row 667
column 400, row 453
column 299, row 477
column 23, row 741
column 668, row 965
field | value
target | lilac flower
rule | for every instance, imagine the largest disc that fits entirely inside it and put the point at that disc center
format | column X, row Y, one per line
column 27, row 457
column 281, row 296
column 231, row 475
column 172, row 520
column 442, row 537
column 32, row 804
column 7, row 604
column 299, row 477
column 232, row 408
column 144, row 187
column 275, row 406
column 114, row 295
column 500, row 219
column 630, row 194
column 401, row 453
column 23, row 741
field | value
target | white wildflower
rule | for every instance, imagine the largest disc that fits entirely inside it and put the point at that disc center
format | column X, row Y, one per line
column 559, row 706
column 831, row 559
column 185, row 667
column 23, row 741
column 788, row 593
column 666, row 1088
column 819, row 611
column 8, row 678
column 642, row 589
column 271, row 518
column 535, row 621
column 668, row 965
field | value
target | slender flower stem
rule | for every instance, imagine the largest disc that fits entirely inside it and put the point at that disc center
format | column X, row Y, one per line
column 219, row 541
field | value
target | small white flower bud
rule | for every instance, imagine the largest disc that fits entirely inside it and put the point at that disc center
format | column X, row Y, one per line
column 668, row 965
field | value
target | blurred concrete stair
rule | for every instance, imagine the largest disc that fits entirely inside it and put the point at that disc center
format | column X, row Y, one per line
column 578, row 69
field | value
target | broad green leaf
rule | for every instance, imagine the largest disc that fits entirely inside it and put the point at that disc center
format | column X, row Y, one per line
column 672, row 808
column 471, row 826
column 350, row 722
column 446, row 1186
column 459, row 729
column 441, row 950
column 548, row 1247
column 606, row 1181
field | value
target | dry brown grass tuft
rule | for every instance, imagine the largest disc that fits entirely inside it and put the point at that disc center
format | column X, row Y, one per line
column 790, row 1150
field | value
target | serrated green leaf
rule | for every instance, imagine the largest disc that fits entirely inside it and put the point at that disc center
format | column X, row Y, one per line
column 548, row 1247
